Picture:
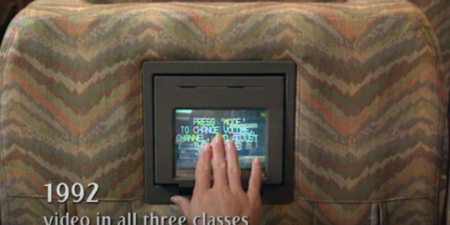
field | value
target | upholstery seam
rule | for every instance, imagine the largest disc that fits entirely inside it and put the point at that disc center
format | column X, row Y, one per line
column 367, row 201
column 438, row 64
column 405, row 4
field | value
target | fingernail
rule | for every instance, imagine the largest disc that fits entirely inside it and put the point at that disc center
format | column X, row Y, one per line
column 217, row 138
column 229, row 144
column 174, row 199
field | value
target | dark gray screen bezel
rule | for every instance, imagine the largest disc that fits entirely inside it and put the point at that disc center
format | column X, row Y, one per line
column 161, row 176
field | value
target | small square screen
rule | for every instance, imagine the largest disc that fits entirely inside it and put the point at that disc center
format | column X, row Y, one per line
column 196, row 127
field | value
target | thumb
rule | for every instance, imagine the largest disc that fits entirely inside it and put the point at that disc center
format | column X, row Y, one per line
column 183, row 203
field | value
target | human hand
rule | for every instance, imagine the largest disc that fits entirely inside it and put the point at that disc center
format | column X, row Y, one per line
column 226, row 200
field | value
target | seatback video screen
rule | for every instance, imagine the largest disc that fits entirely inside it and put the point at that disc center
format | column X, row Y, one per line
column 196, row 127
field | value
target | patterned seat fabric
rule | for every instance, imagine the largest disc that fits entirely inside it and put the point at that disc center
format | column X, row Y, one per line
column 371, row 104
column 438, row 13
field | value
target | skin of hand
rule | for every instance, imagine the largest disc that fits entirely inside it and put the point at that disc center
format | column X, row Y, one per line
column 226, row 197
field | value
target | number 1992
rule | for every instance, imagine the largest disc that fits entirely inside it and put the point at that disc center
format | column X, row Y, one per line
column 76, row 191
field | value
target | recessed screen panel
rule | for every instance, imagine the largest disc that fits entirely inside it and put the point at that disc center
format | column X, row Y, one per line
column 196, row 127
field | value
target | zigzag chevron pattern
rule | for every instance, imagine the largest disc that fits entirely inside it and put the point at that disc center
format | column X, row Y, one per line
column 438, row 13
column 371, row 103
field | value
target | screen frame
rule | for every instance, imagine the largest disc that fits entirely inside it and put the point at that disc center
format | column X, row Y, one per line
column 271, row 194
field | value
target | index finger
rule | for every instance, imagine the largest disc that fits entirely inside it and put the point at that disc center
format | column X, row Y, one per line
column 203, row 170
